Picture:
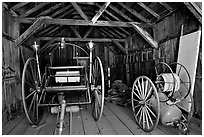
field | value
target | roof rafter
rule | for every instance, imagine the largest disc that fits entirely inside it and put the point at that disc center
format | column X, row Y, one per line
column 50, row 9
column 79, row 10
column 120, row 13
column 34, row 9
column 136, row 14
column 99, row 13
column 148, row 9
column 19, row 5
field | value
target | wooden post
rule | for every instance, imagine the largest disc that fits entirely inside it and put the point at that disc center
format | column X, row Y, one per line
column 127, row 68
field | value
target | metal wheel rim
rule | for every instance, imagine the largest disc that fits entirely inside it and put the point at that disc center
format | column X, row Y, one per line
column 187, row 74
column 98, row 93
column 155, row 67
column 146, row 118
column 27, row 86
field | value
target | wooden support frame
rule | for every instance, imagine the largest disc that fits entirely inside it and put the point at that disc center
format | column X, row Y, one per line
column 146, row 36
column 75, row 32
column 79, row 10
column 83, row 39
column 88, row 32
column 195, row 10
column 85, row 23
column 136, row 14
column 31, row 30
column 120, row 13
column 34, row 9
column 148, row 10
column 99, row 13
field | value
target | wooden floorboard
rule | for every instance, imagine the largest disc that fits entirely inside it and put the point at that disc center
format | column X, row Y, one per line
column 6, row 129
column 116, row 120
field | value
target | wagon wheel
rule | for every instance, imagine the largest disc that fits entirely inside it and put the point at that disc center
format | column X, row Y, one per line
column 160, row 69
column 185, row 81
column 145, row 103
column 31, row 91
column 98, row 89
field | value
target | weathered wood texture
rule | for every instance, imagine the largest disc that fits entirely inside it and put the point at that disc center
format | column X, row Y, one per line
column 116, row 120
column 10, row 68
column 142, row 58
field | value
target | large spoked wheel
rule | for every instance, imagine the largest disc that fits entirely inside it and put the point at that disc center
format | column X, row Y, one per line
column 185, row 81
column 98, row 89
column 31, row 91
column 162, row 69
column 145, row 103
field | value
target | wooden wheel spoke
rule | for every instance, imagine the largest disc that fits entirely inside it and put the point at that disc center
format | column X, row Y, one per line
column 148, row 115
column 30, row 94
column 150, row 111
column 29, row 77
column 146, row 86
column 33, row 99
column 149, row 93
column 136, row 95
column 30, row 85
column 143, row 94
column 143, row 118
column 138, row 111
column 141, row 113
column 140, row 89
column 136, row 88
column 136, row 106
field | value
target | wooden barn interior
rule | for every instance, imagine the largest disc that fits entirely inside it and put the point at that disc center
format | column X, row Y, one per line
column 130, row 38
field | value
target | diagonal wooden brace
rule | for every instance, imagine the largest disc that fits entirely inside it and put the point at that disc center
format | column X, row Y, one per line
column 145, row 35
column 31, row 30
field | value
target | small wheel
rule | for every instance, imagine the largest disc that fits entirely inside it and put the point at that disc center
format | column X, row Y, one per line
column 31, row 91
column 162, row 69
column 185, row 81
column 145, row 103
column 98, row 89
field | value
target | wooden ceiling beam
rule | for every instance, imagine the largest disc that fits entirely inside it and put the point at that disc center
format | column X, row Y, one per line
column 43, row 13
column 79, row 10
column 195, row 10
column 99, row 13
column 19, row 5
column 85, row 23
column 34, row 9
column 148, row 10
column 146, row 36
column 120, row 13
column 165, row 5
column 109, row 13
column 61, row 11
column 31, row 30
column 82, row 39
column 12, row 12
column 136, row 14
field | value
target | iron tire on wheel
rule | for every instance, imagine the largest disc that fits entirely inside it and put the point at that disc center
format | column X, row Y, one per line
column 99, row 89
column 31, row 91
column 145, row 103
